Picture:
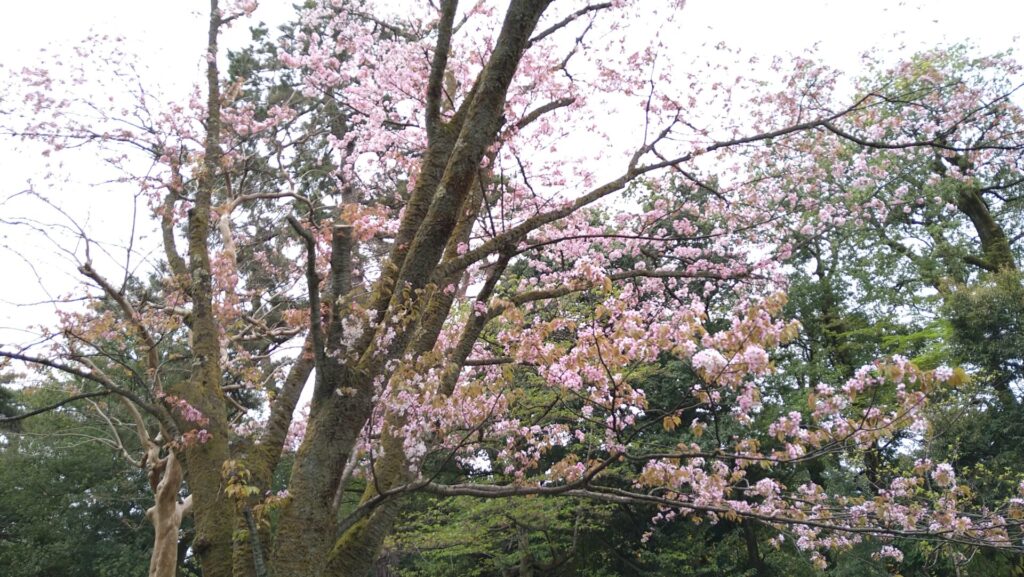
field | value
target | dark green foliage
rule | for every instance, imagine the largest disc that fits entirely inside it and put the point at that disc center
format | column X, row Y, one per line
column 988, row 326
column 557, row 537
column 69, row 506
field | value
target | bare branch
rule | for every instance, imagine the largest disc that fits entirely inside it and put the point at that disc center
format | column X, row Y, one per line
column 129, row 311
column 56, row 405
column 174, row 259
column 568, row 20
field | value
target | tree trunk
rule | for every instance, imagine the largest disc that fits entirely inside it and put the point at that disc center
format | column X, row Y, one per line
column 995, row 246
column 166, row 513
column 357, row 548
column 754, row 561
column 342, row 401
column 305, row 534
column 214, row 512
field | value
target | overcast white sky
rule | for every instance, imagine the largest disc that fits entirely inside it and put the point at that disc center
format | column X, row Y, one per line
column 169, row 36
column 770, row 25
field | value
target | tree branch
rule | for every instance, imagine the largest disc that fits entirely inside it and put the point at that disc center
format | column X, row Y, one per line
column 56, row 405
column 313, row 284
column 567, row 20
column 95, row 376
column 438, row 65
column 152, row 358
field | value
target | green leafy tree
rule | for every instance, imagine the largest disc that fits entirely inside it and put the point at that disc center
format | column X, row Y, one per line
column 69, row 504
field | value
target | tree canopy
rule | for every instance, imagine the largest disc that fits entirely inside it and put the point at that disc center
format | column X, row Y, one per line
column 503, row 289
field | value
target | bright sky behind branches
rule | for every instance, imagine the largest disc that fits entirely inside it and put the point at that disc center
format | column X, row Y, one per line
column 169, row 38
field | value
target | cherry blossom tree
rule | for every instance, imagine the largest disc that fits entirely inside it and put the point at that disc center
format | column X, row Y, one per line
column 399, row 214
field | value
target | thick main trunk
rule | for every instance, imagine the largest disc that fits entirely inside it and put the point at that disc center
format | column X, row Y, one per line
column 342, row 404
column 755, row 562
column 213, row 511
column 205, row 457
column 305, row 534
column 356, row 550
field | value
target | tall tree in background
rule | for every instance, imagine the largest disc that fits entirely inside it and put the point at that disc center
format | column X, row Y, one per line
column 71, row 506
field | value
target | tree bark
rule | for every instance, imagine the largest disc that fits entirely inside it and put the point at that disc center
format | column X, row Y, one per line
column 357, row 548
column 166, row 513
column 995, row 246
column 343, row 401
column 214, row 513
column 754, row 560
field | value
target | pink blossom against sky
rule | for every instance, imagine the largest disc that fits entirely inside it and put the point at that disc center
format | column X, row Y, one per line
column 169, row 38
